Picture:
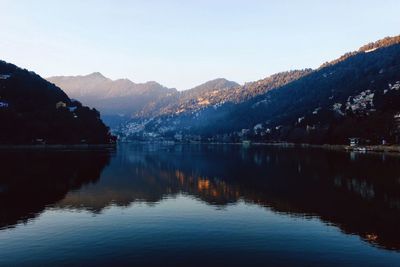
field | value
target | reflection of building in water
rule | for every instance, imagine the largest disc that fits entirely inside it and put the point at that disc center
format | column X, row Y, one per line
column 353, row 155
column 203, row 184
column 258, row 159
column 211, row 190
column 340, row 190
column 371, row 237
column 353, row 191
column 3, row 104
column 299, row 168
column 180, row 176
column 396, row 118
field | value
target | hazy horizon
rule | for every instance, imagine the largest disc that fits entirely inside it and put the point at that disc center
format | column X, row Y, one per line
column 182, row 44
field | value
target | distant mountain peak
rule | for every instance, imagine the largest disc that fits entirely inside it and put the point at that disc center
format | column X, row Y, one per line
column 121, row 96
column 221, row 81
column 153, row 83
column 215, row 84
column 97, row 75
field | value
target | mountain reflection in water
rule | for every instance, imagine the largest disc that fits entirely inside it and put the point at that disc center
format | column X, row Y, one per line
column 33, row 180
column 358, row 193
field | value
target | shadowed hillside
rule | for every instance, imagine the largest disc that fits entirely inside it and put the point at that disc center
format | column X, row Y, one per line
column 357, row 95
column 34, row 111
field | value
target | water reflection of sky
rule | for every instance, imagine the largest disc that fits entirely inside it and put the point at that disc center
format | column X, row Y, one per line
column 201, row 205
column 183, row 228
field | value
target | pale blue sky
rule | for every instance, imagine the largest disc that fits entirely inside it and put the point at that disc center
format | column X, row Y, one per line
column 182, row 43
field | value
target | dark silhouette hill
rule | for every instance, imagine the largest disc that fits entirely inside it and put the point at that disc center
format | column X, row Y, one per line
column 34, row 111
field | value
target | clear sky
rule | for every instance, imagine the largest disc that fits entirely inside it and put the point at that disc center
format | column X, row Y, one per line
column 182, row 43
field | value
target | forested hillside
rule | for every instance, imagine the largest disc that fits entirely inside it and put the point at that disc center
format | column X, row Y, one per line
column 34, row 111
column 357, row 95
column 121, row 99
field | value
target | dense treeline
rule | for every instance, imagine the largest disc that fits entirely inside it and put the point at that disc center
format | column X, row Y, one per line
column 33, row 111
column 387, row 41
column 355, row 96
column 222, row 91
column 304, row 111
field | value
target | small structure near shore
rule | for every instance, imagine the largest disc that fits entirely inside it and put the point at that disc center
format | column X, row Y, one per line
column 354, row 141
column 246, row 143
column 396, row 119
column 3, row 104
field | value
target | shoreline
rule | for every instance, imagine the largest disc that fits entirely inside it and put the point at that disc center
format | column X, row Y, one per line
column 348, row 148
column 361, row 149
column 60, row 146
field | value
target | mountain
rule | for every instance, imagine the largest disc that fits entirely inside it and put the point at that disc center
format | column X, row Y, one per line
column 124, row 97
column 32, row 110
column 120, row 100
column 217, row 92
column 111, row 97
column 203, row 95
column 357, row 95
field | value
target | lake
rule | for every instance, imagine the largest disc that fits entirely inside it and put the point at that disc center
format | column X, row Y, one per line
column 199, row 205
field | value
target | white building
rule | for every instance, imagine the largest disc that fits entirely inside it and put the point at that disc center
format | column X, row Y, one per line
column 3, row 104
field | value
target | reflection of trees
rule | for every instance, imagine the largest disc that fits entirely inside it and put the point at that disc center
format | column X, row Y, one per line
column 359, row 195
column 32, row 180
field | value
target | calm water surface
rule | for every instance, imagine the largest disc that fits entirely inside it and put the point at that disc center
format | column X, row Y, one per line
column 195, row 205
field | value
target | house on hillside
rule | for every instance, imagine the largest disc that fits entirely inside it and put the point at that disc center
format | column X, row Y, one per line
column 39, row 141
column 4, row 104
column 396, row 119
column 353, row 141
column 72, row 109
column 4, row 76
column 61, row 104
